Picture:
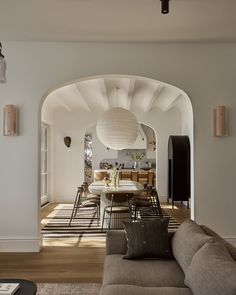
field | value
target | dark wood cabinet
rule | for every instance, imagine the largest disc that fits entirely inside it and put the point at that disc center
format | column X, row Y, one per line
column 178, row 169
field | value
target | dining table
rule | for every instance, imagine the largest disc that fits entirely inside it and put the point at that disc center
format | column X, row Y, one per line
column 124, row 186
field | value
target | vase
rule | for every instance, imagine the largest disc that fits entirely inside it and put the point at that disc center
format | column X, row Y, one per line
column 139, row 165
column 117, row 179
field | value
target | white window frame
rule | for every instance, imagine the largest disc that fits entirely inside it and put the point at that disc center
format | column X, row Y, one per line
column 44, row 166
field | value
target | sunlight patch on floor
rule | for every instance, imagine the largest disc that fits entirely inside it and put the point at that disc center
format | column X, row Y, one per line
column 168, row 206
column 73, row 242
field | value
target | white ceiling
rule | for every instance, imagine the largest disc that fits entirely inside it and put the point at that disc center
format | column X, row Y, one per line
column 101, row 93
column 117, row 20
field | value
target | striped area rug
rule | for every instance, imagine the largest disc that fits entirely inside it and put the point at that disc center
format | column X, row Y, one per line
column 85, row 226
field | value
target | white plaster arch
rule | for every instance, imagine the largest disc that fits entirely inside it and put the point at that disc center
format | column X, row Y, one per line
column 159, row 100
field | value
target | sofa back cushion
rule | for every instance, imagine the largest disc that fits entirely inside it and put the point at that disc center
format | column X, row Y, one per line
column 187, row 240
column 231, row 249
column 212, row 271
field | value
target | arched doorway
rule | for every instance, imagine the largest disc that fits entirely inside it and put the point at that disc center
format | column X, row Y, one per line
column 78, row 104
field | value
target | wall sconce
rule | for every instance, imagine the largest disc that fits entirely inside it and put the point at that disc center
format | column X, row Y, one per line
column 67, row 141
column 220, row 115
column 10, row 120
column 2, row 66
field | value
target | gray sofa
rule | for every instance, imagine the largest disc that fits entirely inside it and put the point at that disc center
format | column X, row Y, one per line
column 185, row 274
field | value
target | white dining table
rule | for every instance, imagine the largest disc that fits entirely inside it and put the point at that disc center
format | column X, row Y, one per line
column 125, row 186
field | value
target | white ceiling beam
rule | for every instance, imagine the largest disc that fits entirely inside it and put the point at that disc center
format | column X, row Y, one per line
column 171, row 102
column 104, row 94
column 78, row 92
column 130, row 93
column 63, row 104
column 152, row 101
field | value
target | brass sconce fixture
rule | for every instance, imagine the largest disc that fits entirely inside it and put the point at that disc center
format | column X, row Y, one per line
column 220, row 117
column 67, row 141
column 10, row 120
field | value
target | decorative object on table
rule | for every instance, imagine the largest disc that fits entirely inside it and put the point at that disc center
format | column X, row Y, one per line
column 107, row 181
column 3, row 66
column 10, row 120
column 220, row 116
column 67, row 141
column 8, row 288
column 137, row 157
column 117, row 128
column 115, row 175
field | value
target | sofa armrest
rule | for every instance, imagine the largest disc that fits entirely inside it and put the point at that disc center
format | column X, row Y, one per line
column 116, row 242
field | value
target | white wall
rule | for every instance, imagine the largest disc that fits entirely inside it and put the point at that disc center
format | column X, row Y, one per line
column 205, row 71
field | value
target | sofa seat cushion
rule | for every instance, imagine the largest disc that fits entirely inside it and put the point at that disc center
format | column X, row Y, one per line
column 146, row 273
column 137, row 290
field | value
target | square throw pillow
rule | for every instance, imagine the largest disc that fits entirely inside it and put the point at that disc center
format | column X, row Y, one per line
column 212, row 271
column 187, row 240
column 148, row 239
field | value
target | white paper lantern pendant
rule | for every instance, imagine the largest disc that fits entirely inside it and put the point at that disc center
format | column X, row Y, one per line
column 117, row 128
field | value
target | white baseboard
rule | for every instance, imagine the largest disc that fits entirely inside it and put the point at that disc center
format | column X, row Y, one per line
column 20, row 245
column 230, row 239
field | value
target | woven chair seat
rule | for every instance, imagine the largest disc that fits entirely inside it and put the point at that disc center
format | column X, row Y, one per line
column 140, row 202
column 90, row 203
column 92, row 197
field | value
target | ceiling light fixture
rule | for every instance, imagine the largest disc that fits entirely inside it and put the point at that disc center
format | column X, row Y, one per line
column 2, row 66
column 164, row 6
column 117, row 128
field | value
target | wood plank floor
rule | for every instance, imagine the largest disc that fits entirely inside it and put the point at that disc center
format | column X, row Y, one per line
column 55, row 264
column 63, row 261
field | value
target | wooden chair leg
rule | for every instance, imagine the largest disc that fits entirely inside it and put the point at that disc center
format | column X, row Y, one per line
column 98, row 210
column 103, row 216
column 109, row 225
column 135, row 212
column 75, row 207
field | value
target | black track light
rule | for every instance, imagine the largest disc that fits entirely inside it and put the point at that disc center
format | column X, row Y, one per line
column 164, row 6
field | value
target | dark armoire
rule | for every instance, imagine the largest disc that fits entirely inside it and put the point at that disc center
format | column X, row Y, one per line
column 178, row 169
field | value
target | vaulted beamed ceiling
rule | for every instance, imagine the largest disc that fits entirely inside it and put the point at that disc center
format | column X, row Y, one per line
column 102, row 93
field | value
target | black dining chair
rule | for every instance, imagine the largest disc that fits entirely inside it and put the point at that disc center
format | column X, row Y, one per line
column 147, row 201
column 119, row 204
column 81, row 202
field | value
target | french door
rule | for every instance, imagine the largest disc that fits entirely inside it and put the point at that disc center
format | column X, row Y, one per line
column 44, row 164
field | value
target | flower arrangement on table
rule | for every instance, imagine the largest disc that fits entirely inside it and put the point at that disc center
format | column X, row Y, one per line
column 137, row 157
column 115, row 173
